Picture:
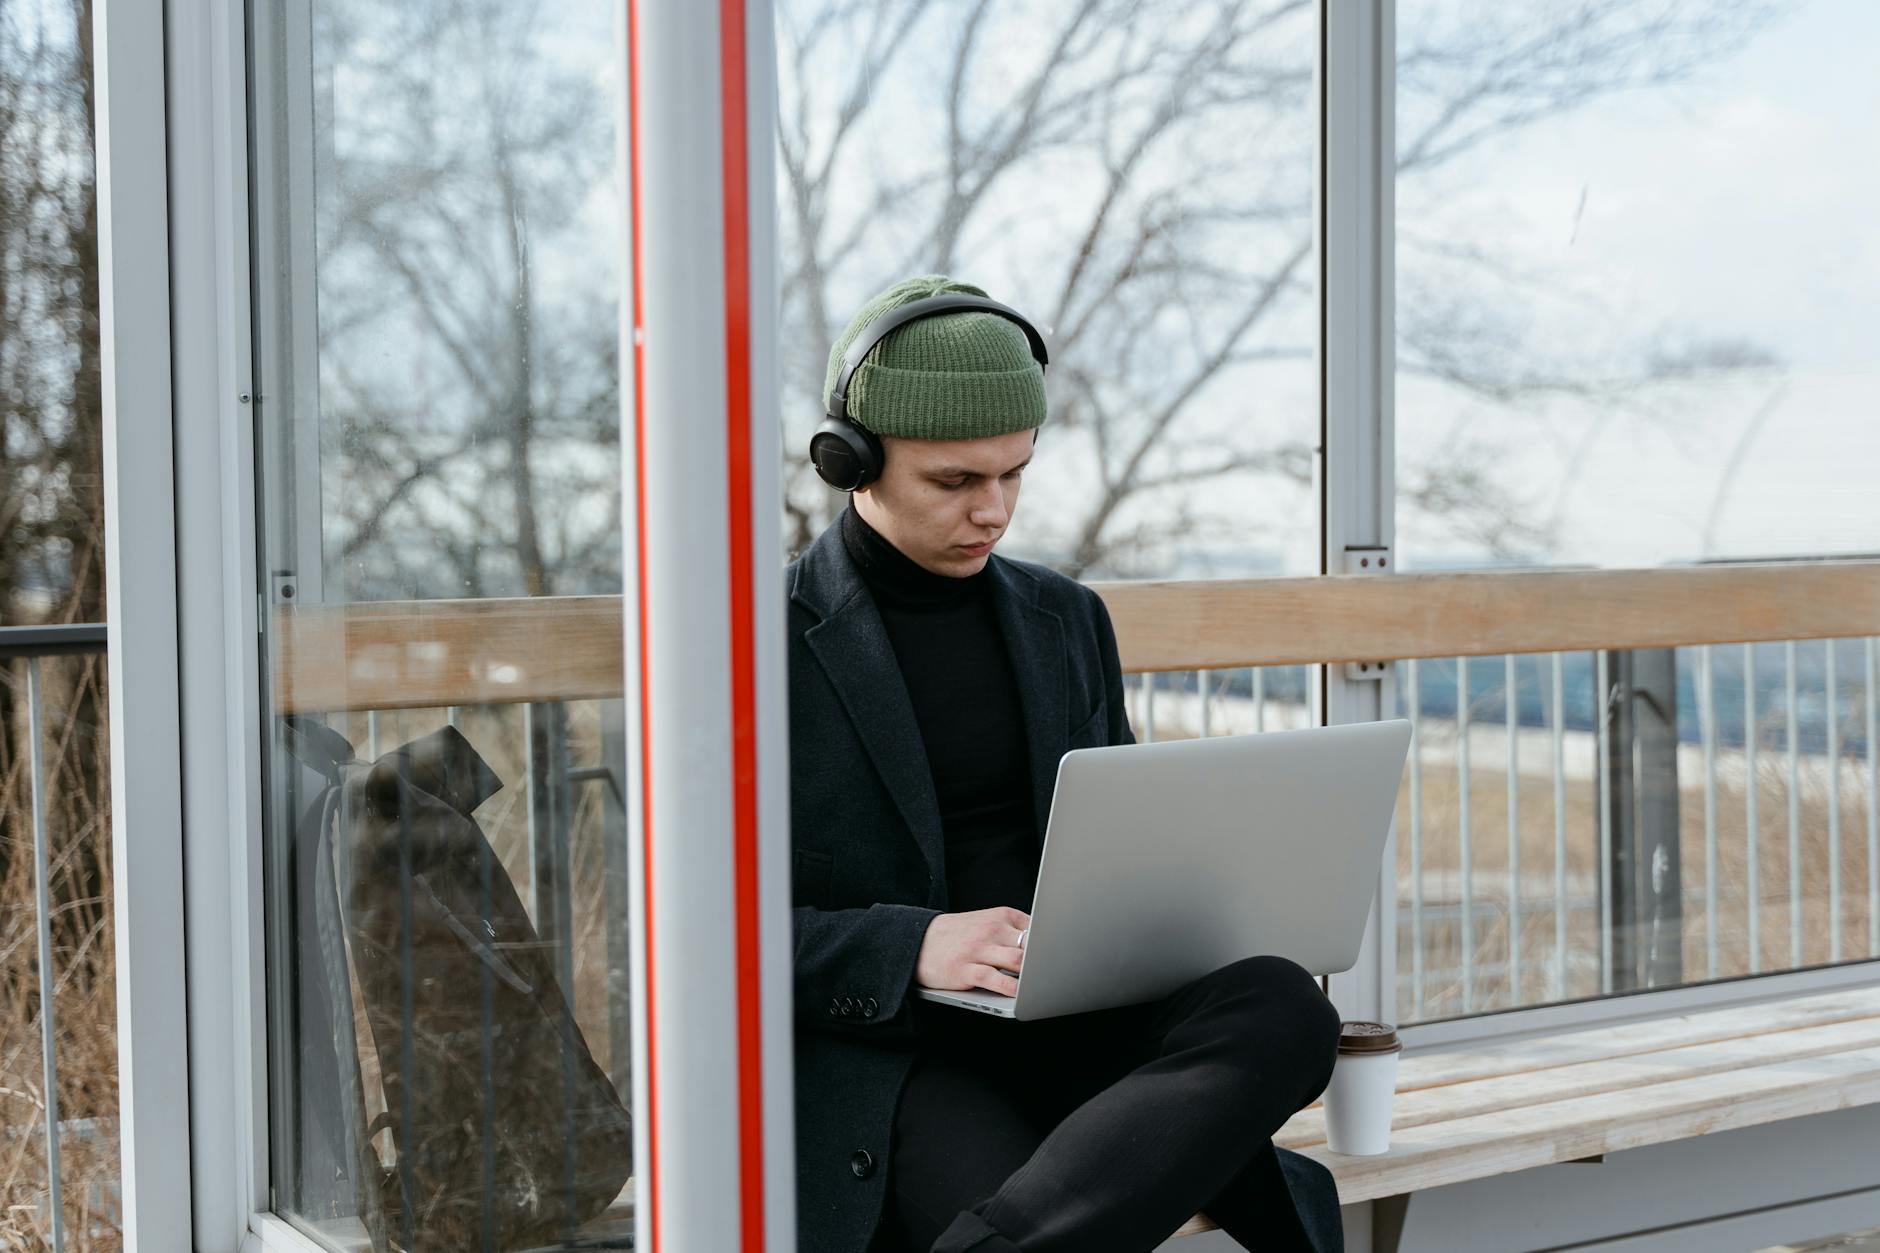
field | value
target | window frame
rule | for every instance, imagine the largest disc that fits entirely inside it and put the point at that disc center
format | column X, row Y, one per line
column 142, row 624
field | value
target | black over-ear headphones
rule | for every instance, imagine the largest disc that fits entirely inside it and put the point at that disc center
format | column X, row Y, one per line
column 848, row 456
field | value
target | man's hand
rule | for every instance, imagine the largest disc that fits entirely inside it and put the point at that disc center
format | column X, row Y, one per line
column 962, row 951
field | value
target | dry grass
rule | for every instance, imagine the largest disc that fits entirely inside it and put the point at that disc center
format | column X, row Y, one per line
column 1777, row 922
column 78, row 827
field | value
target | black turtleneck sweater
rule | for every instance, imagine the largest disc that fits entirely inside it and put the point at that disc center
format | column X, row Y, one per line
column 959, row 676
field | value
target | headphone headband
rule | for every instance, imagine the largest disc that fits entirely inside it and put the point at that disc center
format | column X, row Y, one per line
column 930, row 306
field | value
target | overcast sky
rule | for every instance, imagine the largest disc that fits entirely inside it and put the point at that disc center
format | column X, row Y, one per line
column 1739, row 206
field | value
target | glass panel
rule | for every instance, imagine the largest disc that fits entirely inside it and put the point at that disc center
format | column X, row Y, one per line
column 1733, row 829
column 1634, row 275
column 52, row 572
column 436, row 219
column 51, row 425
column 1618, row 345
column 1071, row 159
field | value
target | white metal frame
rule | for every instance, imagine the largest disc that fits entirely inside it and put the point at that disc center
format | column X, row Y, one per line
column 287, row 346
column 219, row 643
column 1354, row 202
column 141, row 597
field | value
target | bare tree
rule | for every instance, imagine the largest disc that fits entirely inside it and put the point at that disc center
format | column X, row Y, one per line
column 1139, row 172
column 52, row 511
column 468, row 378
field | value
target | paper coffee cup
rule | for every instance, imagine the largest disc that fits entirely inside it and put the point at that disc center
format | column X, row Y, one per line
column 1364, row 1080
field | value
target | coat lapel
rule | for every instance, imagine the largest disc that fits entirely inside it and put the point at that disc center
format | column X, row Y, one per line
column 852, row 646
column 1034, row 637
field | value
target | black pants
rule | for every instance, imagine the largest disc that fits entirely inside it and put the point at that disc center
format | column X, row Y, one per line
column 1104, row 1132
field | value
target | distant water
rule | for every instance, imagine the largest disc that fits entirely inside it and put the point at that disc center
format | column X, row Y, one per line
column 1437, row 681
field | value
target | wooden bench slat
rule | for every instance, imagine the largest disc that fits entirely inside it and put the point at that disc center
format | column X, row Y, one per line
column 1532, row 1089
column 1458, row 1150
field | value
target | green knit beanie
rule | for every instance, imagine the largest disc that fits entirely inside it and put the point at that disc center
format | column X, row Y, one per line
column 952, row 376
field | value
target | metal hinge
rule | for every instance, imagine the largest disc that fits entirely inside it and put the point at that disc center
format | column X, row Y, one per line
column 1367, row 560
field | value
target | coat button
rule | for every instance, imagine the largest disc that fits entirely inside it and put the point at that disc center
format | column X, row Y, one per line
column 861, row 1165
column 869, row 1007
column 835, row 1008
column 849, row 1007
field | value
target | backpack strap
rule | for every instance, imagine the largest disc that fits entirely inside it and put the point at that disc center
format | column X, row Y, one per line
column 316, row 746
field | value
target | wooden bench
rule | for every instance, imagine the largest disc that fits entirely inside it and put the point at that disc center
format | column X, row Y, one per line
column 1578, row 1095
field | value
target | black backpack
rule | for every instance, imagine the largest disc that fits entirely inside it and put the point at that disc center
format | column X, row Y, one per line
column 506, row 1133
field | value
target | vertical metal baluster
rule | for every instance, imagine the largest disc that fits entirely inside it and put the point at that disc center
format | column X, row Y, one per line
column 42, row 904
column 1201, row 686
column 1148, row 707
column 486, row 1050
column 408, row 1024
column 1795, row 812
column 533, row 836
column 1416, row 837
column 1752, row 732
column 1259, row 699
column 453, row 716
column 1834, row 806
column 618, row 923
column 1707, row 729
column 1873, row 805
column 1602, row 703
column 372, row 735
column 1560, row 827
column 1510, row 688
column 1466, row 852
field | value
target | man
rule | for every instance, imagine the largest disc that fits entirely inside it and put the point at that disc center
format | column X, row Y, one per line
column 933, row 688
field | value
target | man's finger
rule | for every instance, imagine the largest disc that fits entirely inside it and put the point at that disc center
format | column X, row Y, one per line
column 1005, row 957
column 992, row 981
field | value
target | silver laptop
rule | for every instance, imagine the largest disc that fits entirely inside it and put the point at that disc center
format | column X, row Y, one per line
column 1163, row 862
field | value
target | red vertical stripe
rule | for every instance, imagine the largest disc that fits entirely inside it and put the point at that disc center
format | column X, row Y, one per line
column 735, row 155
column 651, row 1113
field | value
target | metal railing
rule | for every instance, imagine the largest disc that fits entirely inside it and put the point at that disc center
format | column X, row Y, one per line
column 32, row 644
column 1474, row 938
column 1191, row 703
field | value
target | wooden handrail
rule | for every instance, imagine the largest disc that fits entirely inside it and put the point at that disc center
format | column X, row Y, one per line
column 426, row 654
column 1279, row 622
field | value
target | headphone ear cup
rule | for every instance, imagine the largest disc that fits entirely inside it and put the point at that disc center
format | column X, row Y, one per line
column 846, row 456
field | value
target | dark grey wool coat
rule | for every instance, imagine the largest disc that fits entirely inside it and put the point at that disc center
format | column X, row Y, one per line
column 869, row 859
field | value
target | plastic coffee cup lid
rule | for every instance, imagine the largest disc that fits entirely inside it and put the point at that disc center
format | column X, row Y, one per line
column 1368, row 1037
